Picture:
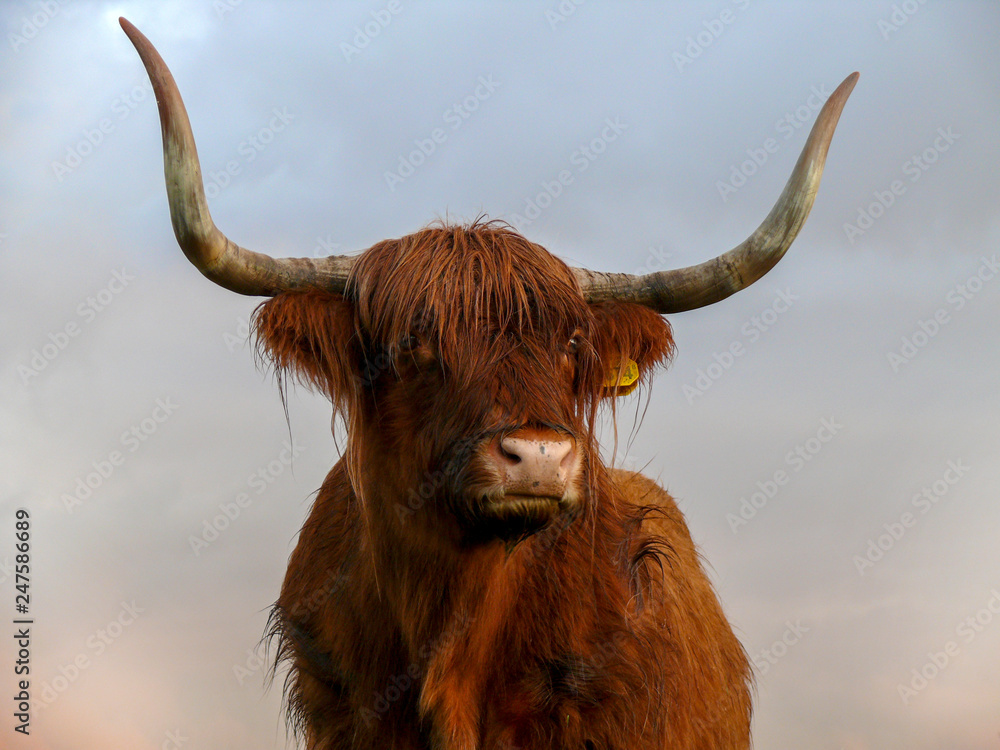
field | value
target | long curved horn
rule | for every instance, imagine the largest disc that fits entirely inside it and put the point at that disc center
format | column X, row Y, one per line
column 214, row 254
column 696, row 286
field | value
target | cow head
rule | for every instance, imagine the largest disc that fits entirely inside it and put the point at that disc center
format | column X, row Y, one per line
column 468, row 368
column 467, row 361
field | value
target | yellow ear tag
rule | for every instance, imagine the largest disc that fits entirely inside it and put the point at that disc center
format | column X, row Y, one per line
column 622, row 379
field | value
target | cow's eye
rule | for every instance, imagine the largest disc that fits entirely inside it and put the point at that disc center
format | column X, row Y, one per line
column 414, row 350
column 409, row 343
column 575, row 342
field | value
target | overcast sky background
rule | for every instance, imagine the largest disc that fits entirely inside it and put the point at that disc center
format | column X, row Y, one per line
column 181, row 672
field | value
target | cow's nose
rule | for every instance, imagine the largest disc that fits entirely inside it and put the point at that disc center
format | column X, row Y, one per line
column 536, row 461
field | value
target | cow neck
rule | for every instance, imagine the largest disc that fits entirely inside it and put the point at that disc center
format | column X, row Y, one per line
column 493, row 613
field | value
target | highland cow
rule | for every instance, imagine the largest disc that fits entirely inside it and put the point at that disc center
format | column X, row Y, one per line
column 471, row 575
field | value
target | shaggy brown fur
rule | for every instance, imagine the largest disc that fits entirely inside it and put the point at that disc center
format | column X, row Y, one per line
column 411, row 621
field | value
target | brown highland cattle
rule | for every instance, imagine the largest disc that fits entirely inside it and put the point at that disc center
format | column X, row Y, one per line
column 471, row 576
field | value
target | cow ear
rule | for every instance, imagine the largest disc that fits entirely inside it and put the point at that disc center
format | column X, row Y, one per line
column 310, row 335
column 630, row 341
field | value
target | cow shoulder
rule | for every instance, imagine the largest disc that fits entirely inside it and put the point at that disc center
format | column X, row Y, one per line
column 701, row 652
column 666, row 520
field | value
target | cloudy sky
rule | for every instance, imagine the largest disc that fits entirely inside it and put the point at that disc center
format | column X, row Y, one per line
column 840, row 474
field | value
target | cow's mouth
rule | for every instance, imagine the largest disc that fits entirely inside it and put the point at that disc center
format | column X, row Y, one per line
column 519, row 480
column 509, row 515
column 513, row 505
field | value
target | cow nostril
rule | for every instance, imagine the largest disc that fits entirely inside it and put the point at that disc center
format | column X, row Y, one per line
column 508, row 455
column 547, row 456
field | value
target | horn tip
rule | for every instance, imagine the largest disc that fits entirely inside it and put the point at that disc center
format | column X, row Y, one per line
column 849, row 82
column 135, row 36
